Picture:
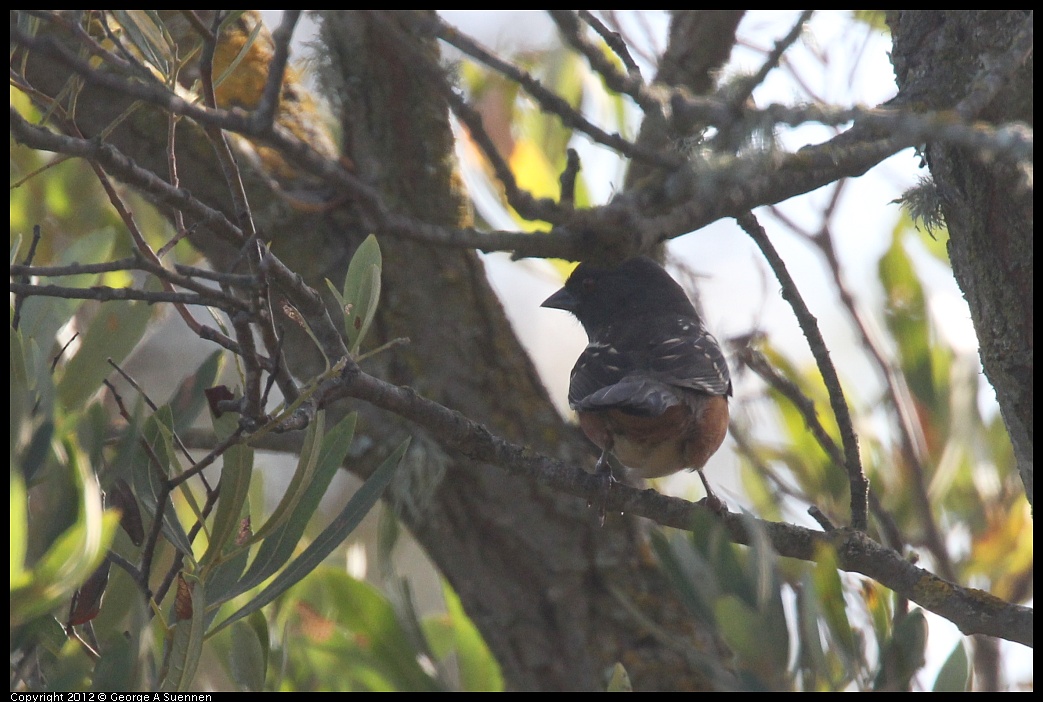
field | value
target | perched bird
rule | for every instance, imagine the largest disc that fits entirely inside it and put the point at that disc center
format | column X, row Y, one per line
column 652, row 385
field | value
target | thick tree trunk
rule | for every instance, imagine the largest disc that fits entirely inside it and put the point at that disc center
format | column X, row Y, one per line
column 942, row 61
column 945, row 60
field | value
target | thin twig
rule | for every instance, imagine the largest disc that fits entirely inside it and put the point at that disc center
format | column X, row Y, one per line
column 106, row 294
column 809, row 325
column 550, row 101
column 568, row 177
column 27, row 264
column 268, row 106
column 912, row 442
column 615, row 41
column 739, row 98
column 522, row 201
column 127, row 170
column 630, row 84
column 152, row 406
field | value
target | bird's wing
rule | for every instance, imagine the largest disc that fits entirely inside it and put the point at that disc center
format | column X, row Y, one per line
column 640, row 367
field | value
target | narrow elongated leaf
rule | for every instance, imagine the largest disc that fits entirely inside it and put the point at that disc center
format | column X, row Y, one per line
column 331, row 537
column 222, row 581
column 620, row 680
column 70, row 560
column 830, row 593
column 903, row 655
column 301, row 480
column 689, row 574
column 148, row 478
column 454, row 633
column 186, row 641
column 235, row 487
column 188, row 401
column 19, row 533
column 277, row 548
column 42, row 317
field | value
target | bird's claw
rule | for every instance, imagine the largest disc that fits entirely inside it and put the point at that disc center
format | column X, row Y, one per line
column 711, row 501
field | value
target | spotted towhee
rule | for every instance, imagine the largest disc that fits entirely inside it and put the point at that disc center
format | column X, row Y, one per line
column 652, row 385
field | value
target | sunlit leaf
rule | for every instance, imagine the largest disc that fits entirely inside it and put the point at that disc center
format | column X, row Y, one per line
column 619, row 681
column 906, row 318
column 111, row 335
column 70, row 560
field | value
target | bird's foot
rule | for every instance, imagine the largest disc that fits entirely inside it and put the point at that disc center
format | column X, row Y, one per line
column 711, row 501
column 714, row 503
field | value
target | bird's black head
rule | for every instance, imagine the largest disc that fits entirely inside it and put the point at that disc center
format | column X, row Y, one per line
column 638, row 287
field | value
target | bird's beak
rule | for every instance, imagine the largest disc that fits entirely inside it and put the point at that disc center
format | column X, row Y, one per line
column 561, row 300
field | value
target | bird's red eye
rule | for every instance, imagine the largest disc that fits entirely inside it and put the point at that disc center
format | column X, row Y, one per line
column 589, row 284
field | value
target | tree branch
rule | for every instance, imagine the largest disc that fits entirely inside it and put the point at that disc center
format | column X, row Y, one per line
column 809, row 325
column 973, row 611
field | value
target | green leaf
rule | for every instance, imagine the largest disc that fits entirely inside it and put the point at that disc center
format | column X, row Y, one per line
column 235, row 487
column 331, row 537
column 112, row 334
column 248, row 655
column 738, row 624
column 148, row 478
column 73, row 556
column 223, row 579
column 244, row 51
column 185, row 643
column 148, row 34
column 301, row 480
column 20, row 397
column 455, row 633
column 277, row 548
column 955, row 675
column 385, row 648
column 361, row 292
column 812, row 661
column 336, row 294
column 906, row 317
column 830, row 594
column 42, row 317
column 188, row 400
column 20, row 577
column 689, row 573
column 620, row 681
column 903, row 655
